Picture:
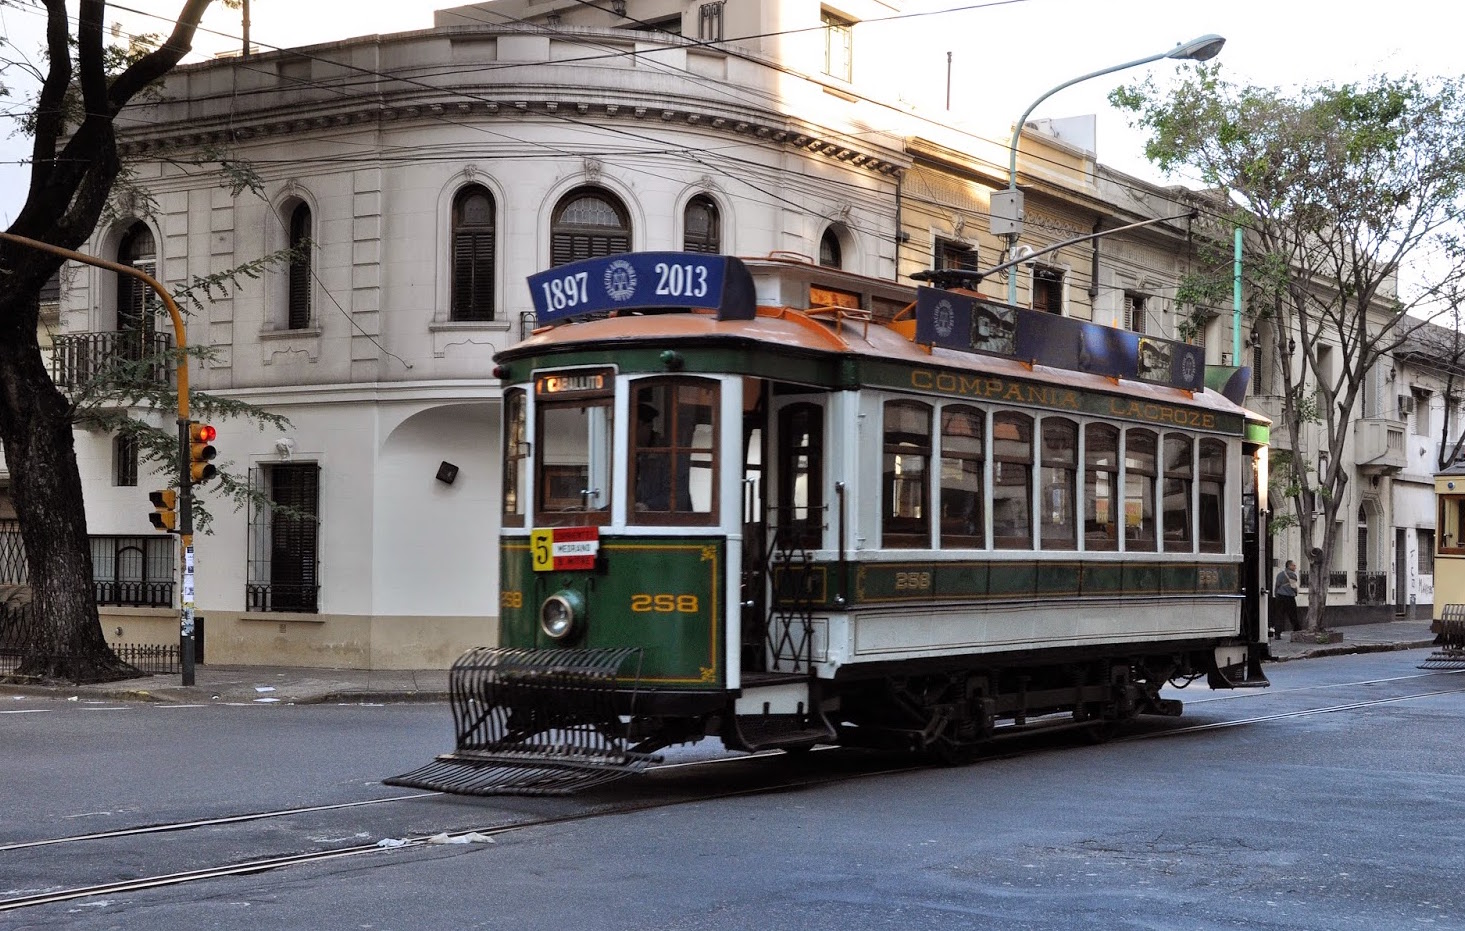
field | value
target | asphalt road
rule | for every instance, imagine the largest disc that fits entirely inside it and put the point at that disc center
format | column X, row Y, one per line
column 1331, row 800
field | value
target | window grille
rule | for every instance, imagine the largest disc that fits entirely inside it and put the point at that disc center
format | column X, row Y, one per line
column 709, row 21
column 124, row 461
column 283, row 562
column 300, row 268
column 133, row 571
column 473, row 254
column 588, row 224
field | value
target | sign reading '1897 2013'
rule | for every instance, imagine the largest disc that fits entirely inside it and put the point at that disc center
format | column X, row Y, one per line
column 959, row 321
column 644, row 281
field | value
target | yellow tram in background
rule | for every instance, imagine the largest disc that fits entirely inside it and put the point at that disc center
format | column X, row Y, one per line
column 1449, row 569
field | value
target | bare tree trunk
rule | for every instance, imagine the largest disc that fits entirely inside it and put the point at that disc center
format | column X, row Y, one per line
column 46, row 490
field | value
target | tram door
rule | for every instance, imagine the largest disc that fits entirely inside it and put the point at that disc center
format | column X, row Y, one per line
column 784, row 520
column 1255, row 558
column 754, row 589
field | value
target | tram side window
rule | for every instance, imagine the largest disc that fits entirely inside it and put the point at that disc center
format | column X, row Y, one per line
column 1060, row 468
column 1452, row 525
column 963, row 448
column 1139, row 490
column 1101, row 487
column 1179, row 479
column 907, row 485
column 674, row 451
column 574, row 456
column 801, row 475
column 516, row 451
column 1212, row 516
column 1012, row 481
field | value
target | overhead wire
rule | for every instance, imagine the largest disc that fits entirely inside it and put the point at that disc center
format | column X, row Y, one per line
column 598, row 126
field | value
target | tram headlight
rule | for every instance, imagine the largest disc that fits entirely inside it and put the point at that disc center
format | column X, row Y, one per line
column 562, row 615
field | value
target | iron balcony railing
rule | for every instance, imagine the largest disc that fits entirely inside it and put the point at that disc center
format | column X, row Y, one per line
column 79, row 358
column 1337, row 578
column 277, row 596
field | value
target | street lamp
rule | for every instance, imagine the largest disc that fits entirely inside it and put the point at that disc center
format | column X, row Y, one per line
column 1007, row 207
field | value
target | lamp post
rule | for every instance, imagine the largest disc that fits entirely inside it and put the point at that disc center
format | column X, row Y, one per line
column 1009, row 202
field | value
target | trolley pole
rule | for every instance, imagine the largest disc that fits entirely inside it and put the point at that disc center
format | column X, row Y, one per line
column 185, row 478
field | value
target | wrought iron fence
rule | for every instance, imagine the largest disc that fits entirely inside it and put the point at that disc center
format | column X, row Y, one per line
column 1373, row 588
column 1337, row 578
column 126, row 570
column 77, row 358
column 17, row 644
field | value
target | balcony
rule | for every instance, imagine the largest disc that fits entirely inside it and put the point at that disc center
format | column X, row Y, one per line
column 80, row 358
column 1378, row 445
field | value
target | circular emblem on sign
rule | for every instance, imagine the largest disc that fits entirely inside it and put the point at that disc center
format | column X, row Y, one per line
column 620, row 281
column 1187, row 367
column 944, row 317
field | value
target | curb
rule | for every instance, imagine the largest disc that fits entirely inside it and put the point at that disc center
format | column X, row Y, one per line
column 1346, row 649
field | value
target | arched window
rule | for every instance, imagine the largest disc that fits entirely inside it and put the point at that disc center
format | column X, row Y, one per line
column 703, row 226
column 473, row 251
column 134, row 323
column 298, row 299
column 831, row 255
column 588, row 223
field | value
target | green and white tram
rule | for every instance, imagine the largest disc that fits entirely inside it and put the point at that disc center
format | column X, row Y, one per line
column 783, row 505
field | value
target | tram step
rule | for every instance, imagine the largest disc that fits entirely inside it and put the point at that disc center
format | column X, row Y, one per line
column 1445, row 659
column 778, row 731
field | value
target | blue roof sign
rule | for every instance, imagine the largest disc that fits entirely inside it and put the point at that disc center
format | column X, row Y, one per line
column 644, row 281
column 960, row 321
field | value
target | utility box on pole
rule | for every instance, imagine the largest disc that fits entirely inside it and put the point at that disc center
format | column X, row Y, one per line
column 1006, row 213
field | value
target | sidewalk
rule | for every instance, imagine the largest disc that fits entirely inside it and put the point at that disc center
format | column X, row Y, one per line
column 268, row 685
column 264, row 685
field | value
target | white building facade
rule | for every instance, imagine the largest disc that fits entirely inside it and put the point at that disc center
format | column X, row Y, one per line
column 425, row 175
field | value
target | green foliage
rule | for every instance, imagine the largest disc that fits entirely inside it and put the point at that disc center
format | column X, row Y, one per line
column 129, row 397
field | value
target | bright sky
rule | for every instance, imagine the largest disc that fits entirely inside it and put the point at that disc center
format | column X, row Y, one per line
column 1010, row 52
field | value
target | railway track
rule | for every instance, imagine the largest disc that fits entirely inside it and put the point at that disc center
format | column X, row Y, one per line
column 744, row 787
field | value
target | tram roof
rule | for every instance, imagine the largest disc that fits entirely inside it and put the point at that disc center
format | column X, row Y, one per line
column 789, row 331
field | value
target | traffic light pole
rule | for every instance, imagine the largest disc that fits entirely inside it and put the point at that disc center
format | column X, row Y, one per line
column 185, row 478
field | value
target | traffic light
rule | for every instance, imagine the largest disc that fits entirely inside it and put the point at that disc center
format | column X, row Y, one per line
column 200, row 451
column 165, row 513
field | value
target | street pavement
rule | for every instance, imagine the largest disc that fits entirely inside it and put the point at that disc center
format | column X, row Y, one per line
column 302, row 685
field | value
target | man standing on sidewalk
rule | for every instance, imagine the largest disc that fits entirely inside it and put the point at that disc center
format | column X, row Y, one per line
column 1285, row 591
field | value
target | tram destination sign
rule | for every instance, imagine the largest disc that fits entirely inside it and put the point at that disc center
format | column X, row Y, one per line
column 969, row 324
column 644, row 281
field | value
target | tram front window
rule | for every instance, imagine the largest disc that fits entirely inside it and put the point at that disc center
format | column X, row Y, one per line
column 674, row 451
column 574, row 456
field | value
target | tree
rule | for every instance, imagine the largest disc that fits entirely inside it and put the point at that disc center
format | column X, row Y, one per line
column 1339, row 189
column 84, row 85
